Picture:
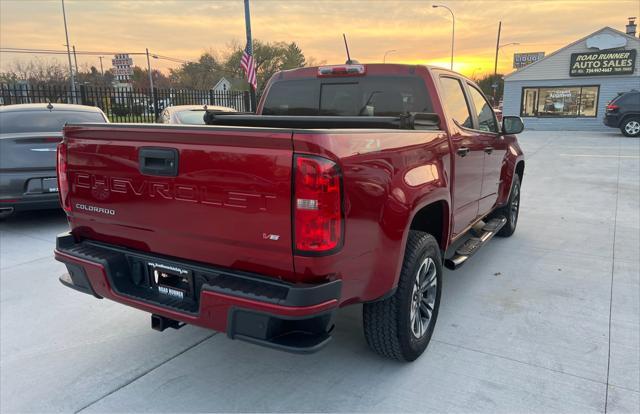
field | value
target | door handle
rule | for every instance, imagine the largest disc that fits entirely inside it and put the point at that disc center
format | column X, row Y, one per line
column 463, row 151
column 158, row 161
column 488, row 150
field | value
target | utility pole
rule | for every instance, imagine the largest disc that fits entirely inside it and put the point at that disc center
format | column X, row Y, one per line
column 247, row 19
column 72, row 78
column 101, row 69
column 153, row 99
column 75, row 59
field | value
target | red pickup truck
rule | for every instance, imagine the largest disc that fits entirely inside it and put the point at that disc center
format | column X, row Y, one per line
column 353, row 184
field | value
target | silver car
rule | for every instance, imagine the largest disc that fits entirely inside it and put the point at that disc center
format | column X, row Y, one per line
column 188, row 114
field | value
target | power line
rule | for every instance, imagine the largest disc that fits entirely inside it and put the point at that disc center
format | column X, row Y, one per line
column 85, row 52
column 101, row 53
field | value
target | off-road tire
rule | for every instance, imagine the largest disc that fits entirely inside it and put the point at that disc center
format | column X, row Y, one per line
column 630, row 127
column 387, row 323
column 507, row 211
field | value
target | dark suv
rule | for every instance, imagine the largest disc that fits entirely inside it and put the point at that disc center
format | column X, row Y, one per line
column 624, row 112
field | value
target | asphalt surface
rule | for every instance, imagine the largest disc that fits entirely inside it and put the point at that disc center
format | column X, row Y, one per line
column 545, row 321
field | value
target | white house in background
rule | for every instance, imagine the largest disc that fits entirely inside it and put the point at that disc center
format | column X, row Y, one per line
column 232, row 84
column 570, row 88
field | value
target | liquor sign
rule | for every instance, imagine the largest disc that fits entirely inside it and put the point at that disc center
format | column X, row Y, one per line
column 122, row 67
column 520, row 60
column 606, row 62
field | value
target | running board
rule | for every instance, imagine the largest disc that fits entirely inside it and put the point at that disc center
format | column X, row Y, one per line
column 471, row 246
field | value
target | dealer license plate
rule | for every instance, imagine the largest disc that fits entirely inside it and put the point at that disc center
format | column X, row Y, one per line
column 172, row 281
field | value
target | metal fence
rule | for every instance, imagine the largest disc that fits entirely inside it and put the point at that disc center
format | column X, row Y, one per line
column 123, row 104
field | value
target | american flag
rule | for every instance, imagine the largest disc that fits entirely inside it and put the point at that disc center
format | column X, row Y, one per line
column 249, row 65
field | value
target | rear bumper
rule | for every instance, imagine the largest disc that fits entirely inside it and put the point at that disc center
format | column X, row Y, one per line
column 611, row 120
column 266, row 311
column 27, row 190
column 30, row 202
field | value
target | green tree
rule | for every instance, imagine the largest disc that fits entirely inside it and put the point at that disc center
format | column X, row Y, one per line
column 140, row 78
column 203, row 74
column 90, row 75
column 486, row 84
column 269, row 57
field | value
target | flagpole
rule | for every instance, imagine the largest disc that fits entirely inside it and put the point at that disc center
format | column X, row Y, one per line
column 247, row 20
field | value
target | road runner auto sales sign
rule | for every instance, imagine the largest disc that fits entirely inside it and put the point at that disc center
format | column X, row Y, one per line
column 612, row 62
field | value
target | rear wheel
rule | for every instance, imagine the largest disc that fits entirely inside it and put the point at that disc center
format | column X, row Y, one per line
column 400, row 327
column 630, row 127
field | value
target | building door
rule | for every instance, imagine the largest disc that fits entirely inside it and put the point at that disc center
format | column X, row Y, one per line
column 529, row 102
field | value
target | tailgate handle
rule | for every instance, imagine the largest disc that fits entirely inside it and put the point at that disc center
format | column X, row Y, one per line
column 158, row 161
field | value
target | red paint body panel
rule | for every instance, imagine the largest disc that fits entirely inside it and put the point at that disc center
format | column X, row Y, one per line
column 234, row 187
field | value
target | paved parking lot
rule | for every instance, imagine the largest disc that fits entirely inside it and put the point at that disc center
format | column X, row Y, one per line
column 546, row 321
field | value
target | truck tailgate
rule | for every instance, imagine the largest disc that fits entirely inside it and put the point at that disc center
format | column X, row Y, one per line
column 213, row 195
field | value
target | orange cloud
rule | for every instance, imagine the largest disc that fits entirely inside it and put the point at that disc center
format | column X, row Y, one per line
column 418, row 33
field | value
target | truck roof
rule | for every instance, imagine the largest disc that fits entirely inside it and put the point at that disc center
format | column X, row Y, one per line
column 380, row 69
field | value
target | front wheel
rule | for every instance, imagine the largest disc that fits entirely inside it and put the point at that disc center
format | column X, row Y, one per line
column 511, row 210
column 631, row 127
column 400, row 327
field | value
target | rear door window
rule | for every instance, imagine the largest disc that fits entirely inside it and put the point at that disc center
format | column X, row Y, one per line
column 366, row 96
column 43, row 121
column 455, row 101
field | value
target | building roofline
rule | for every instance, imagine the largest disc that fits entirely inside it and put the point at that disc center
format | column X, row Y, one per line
column 220, row 80
column 570, row 45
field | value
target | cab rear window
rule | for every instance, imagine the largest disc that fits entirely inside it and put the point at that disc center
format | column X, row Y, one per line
column 366, row 96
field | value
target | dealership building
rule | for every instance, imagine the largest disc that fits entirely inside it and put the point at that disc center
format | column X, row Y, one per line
column 570, row 88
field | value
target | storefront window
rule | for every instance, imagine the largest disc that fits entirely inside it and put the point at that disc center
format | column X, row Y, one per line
column 560, row 101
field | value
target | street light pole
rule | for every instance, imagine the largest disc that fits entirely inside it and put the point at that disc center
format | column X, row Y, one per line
column 495, row 67
column 384, row 58
column 453, row 28
column 73, row 78
column 101, row 69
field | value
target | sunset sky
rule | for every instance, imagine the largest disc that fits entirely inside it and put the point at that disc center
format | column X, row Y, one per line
column 419, row 33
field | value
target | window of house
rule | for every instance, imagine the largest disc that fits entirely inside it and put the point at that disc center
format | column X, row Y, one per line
column 456, row 103
column 560, row 101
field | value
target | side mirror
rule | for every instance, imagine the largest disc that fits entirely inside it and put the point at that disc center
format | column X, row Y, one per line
column 512, row 125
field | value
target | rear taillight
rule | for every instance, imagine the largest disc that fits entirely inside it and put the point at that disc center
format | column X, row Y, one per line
column 612, row 107
column 63, row 178
column 318, row 205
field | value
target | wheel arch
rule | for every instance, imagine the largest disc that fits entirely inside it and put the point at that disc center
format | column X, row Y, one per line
column 520, row 170
column 433, row 218
column 626, row 116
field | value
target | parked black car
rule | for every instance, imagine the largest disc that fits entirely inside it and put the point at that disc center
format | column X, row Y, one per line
column 29, row 134
column 624, row 112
